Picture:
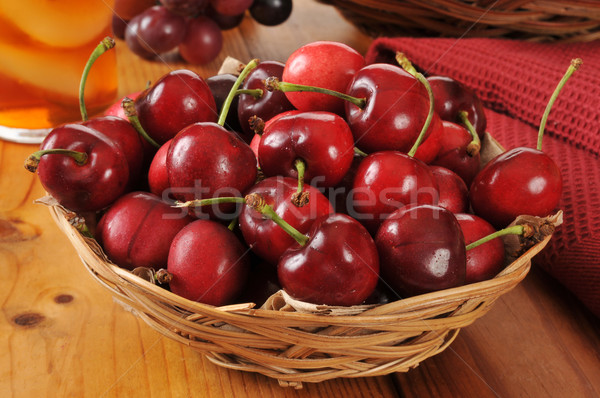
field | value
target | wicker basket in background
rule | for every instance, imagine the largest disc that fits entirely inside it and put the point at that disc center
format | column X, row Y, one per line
column 540, row 20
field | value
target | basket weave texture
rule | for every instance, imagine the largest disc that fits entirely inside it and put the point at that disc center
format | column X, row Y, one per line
column 294, row 342
column 539, row 20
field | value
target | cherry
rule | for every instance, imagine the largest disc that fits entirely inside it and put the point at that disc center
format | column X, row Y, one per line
column 177, row 100
column 388, row 180
column 117, row 110
column 271, row 12
column 158, row 178
column 422, row 249
column 266, row 238
column 208, row 263
column 325, row 64
column 395, row 110
column 335, row 263
column 202, row 42
column 452, row 97
column 258, row 101
column 459, row 152
column 521, row 180
column 80, row 167
column 322, row 141
column 484, row 261
column 159, row 29
column 454, row 194
column 137, row 230
column 123, row 134
column 205, row 160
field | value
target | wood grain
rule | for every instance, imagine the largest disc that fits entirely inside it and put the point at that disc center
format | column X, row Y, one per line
column 62, row 335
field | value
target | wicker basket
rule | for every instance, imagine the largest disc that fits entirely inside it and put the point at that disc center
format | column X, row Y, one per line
column 297, row 342
column 540, row 20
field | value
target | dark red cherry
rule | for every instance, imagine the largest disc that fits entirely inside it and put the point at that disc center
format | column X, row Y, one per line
column 454, row 194
column 92, row 176
column 265, row 237
column 422, row 249
column 456, row 154
column 205, row 161
column 519, row 181
column 322, row 140
column 267, row 104
column 484, row 261
column 178, row 99
column 137, row 230
column 338, row 264
column 386, row 181
column 220, row 86
column 208, row 263
column 452, row 96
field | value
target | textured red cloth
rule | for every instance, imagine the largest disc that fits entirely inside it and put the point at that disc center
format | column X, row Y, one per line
column 515, row 80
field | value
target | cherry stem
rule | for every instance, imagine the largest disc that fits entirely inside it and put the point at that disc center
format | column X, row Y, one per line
column 209, row 201
column 274, row 84
column 258, row 203
column 575, row 64
column 301, row 169
column 525, row 230
column 474, row 146
column 255, row 92
column 129, row 108
column 232, row 224
column 232, row 93
column 408, row 67
column 33, row 160
column 106, row 44
column 79, row 224
column 360, row 153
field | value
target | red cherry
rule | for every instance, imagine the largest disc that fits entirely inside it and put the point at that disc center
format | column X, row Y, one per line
column 456, row 153
column 91, row 177
column 268, row 104
column 519, row 181
column 422, row 249
column 208, row 263
column 386, row 181
column 266, row 238
column 158, row 178
column 205, row 161
column 324, row 64
column 452, row 97
column 322, row 140
column 395, row 111
column 338, row 265
column 454, row 194
column 137, row 230
column 178, row 99
column 484, row 261
column 123, row 134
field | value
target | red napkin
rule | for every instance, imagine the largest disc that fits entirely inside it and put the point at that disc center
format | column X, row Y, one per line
column 515, row 80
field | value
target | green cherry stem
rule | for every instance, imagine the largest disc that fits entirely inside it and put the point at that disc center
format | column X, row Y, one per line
column 301, row 169
column 32, row 162
column 475, row 145
column 258, row 203
column 274, row 84
column 234, row 89
column 408, row 67
column 360, row 153
column 129, row 108
column 106, row 44
column 255, row 92
column 575, row 64
column 525, row 230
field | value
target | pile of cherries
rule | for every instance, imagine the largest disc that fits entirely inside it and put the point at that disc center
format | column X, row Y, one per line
column 340, row 182
column 191, row 27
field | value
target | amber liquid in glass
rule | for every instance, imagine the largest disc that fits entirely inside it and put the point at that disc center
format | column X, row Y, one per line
column 44, row 46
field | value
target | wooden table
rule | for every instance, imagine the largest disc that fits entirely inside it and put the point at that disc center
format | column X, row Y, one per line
column 64, row 336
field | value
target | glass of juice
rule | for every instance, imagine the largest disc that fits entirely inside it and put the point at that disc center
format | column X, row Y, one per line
column 44, row 46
